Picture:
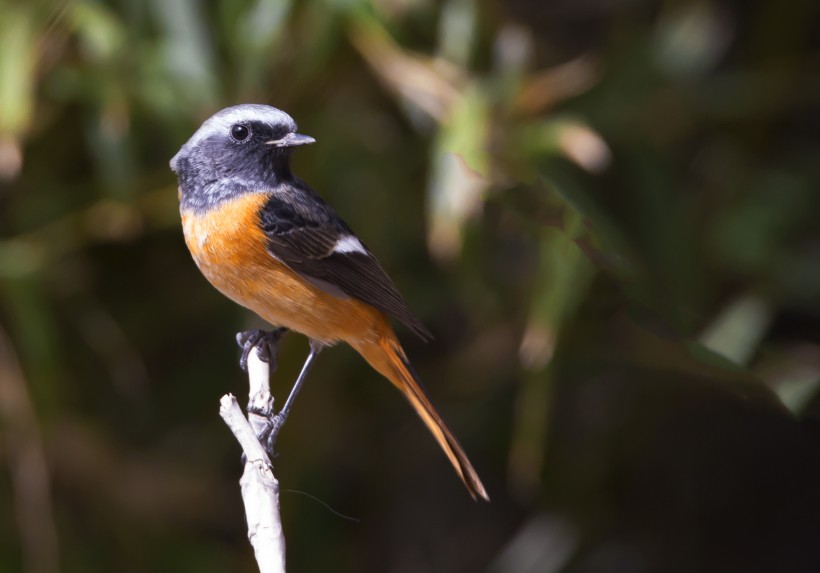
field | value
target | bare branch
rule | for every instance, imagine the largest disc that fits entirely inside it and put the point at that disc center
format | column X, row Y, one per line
column 260, row 489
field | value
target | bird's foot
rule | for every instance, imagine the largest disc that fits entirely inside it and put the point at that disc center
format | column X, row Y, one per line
column 267, row 342
column 267, row 437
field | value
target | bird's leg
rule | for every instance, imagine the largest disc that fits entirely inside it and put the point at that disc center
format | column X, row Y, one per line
column 280, row 418
column 266, row 343
column 269, row 351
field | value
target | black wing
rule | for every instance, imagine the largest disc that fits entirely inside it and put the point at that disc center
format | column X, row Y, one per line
column 303, row 232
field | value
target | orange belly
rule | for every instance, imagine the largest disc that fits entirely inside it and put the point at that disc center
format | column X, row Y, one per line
column 229, row 248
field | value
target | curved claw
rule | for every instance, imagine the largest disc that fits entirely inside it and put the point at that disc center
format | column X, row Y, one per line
column 268, row 351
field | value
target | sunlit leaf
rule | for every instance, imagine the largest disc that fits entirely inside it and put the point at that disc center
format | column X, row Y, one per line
column 459, row 174
column 18, row 68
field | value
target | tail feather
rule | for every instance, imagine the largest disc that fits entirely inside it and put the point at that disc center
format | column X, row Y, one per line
column 388, row 358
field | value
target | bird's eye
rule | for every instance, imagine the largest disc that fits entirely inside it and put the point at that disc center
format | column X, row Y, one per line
column 240, row 132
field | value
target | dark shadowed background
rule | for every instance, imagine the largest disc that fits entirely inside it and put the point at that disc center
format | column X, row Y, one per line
column 605, row 210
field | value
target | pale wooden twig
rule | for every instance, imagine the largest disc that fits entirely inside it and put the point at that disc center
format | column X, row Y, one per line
column 260, row 489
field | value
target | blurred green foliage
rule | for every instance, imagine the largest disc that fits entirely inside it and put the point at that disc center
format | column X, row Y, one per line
column 605, row 211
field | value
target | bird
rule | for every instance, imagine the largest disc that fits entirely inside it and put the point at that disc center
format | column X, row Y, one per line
column 270, row 243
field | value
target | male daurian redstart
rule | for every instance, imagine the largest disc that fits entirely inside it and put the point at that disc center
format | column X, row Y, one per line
column 267, row 241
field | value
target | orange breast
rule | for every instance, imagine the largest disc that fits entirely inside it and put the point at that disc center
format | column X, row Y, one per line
column 229, row 248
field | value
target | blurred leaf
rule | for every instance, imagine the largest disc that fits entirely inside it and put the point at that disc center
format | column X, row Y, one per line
column 567, row 136
column 18, row 61
column 796, row 394
column 188, row 53
column 544, row 544
column 100, row 32
column 459, row 176
column 737, row 331
column 691, row 38
column 457, row 31
column 257, row 33
column 549, row 87
column 428, row 85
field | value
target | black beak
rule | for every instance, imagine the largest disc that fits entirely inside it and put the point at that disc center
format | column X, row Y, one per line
column 291, row 140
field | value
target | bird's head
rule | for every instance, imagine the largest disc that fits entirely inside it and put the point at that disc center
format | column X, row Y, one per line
column 240, row 140
column 244, row 148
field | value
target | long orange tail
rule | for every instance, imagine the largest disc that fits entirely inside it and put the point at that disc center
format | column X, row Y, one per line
column 388, row 358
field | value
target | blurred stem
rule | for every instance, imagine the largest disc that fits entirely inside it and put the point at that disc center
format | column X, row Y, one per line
column 35, row 330
column 563, row 278
column 526, row 459
column 103, row 221
column 27, row 461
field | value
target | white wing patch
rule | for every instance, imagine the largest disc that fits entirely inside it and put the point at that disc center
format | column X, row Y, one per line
column 349, row 244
